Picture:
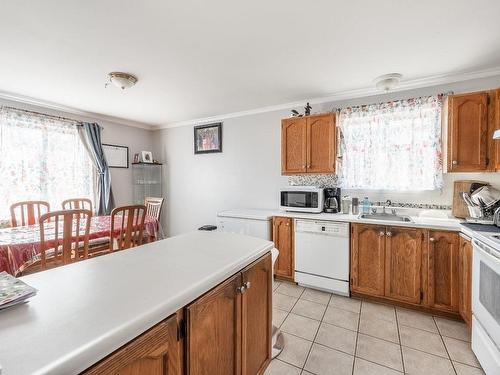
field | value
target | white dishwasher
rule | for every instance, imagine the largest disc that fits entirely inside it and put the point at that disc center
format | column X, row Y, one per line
column 322, row 255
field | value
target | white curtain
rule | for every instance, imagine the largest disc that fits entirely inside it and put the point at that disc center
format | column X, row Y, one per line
column 41, row 158
column 392, row 146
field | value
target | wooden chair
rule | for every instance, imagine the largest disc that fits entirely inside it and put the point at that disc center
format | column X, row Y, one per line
column 129, row 222
column 64, row 239
column 153, row 207
column 27, row 212
column 77, row 203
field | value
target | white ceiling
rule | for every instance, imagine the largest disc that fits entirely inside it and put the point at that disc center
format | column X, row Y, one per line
column 196, row 59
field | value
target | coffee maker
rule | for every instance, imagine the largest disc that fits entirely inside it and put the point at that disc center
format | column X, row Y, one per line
column 332, row 200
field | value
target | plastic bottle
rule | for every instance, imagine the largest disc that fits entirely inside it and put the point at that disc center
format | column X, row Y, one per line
column 366, row 206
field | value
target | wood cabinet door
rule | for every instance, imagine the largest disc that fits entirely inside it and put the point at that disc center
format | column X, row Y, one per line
column 155, row 352
column 465, row 280
column 495, row 124
column 321, row 144
column 283, row 240
column 256, row 312
column 443, row 270
column 467, row 132
column 367, row 259
column 293, row 145
column 214, row 331
column 403, row 263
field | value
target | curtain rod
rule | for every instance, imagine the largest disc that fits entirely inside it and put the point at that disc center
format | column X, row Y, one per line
column 79, row 123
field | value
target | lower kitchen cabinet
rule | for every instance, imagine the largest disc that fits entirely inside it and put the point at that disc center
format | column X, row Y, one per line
column 283, row 240
column 227, row 331
column 442, row 286
column 155, row 352
column 229, row 328
column 417, row 267
column 465, row 280
column 403, row 264
column 367, row 259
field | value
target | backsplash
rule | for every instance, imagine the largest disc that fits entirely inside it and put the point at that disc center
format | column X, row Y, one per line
column 319, row 180
column 331, row 180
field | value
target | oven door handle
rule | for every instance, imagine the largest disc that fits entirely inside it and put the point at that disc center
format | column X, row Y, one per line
column 486, row 250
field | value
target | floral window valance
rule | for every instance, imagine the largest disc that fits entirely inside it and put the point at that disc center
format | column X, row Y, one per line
column 392, row 146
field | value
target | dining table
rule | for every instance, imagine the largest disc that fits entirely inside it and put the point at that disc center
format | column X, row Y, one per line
column 20, row 245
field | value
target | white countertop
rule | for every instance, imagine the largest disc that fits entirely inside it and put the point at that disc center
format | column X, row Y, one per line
column 447, row 223
column 85, row 311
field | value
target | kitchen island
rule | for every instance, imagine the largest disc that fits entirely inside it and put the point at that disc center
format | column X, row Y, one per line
column 85, row 311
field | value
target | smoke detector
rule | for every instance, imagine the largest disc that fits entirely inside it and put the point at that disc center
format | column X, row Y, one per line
column 388, row 82
column 121, row 80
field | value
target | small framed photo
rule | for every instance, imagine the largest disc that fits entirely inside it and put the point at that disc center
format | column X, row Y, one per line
column 146, row 156
column 136, row 158
column 116, row 156
column 208, row 138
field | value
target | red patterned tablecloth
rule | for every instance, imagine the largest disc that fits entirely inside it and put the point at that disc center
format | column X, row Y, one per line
column 21, row 244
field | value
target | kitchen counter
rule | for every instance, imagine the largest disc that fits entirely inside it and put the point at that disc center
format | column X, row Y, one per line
column 86, row 310
column 452, row 224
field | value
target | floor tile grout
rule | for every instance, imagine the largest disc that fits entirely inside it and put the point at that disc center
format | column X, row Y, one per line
column 358, row 332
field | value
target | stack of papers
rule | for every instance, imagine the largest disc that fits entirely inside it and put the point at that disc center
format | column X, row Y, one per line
column 13, row 291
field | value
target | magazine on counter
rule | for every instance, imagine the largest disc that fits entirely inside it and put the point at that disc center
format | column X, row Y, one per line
column 13, row 291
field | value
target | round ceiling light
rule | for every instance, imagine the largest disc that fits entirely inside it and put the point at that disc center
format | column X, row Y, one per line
column 122, row 80
column 388, row 82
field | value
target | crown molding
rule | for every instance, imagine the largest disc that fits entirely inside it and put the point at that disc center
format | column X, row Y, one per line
column 344, row 95
column 62, row 108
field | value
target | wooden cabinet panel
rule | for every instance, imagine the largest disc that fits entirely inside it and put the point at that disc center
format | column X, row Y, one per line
column 495, row 124
column 321, row 144
column 443, row 270
column 214, row 331
column 294, row 145
column 156, row 352
column 403, row 260
column 284, row 242
column 465, row 280
column 367, row 259
column 257, row 316
column 467, row 132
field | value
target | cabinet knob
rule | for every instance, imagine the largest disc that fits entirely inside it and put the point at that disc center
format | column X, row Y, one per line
column 432, row 239
column 240, row 289
column 247, row 285
column 304, row 167
column 389, row 234
column 381, row 233
column 454, row 162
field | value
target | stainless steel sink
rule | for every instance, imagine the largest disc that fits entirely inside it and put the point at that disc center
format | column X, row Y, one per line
column 379, row 216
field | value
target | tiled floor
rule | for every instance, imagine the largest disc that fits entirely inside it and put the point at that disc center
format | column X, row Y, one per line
column 328, row 334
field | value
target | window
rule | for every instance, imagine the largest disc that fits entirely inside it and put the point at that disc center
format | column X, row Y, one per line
column 392, row 146
column 41, row 158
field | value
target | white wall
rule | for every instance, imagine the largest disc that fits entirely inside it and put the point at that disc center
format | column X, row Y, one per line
column 136, row 139
column 247, row 174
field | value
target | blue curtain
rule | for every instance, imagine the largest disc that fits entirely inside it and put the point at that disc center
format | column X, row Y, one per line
column 90, row 134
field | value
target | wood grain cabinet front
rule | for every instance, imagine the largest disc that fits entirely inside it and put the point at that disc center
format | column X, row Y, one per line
column 442, row 284
column 308, row 144
column 367, row 259
column 155, row 352
column 465, row 280
column 283, row 238
column 403, row 264
column 229, row 328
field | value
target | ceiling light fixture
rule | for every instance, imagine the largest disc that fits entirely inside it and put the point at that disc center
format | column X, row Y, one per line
column 388, row 82
column 121, row 80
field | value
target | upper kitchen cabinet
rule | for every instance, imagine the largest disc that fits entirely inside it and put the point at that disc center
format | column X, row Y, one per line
column 468, row 132
column 495, row 121
column 308, row 144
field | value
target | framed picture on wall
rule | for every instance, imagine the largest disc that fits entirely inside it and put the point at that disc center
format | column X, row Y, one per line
column 208, row 138
column 116, row 156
